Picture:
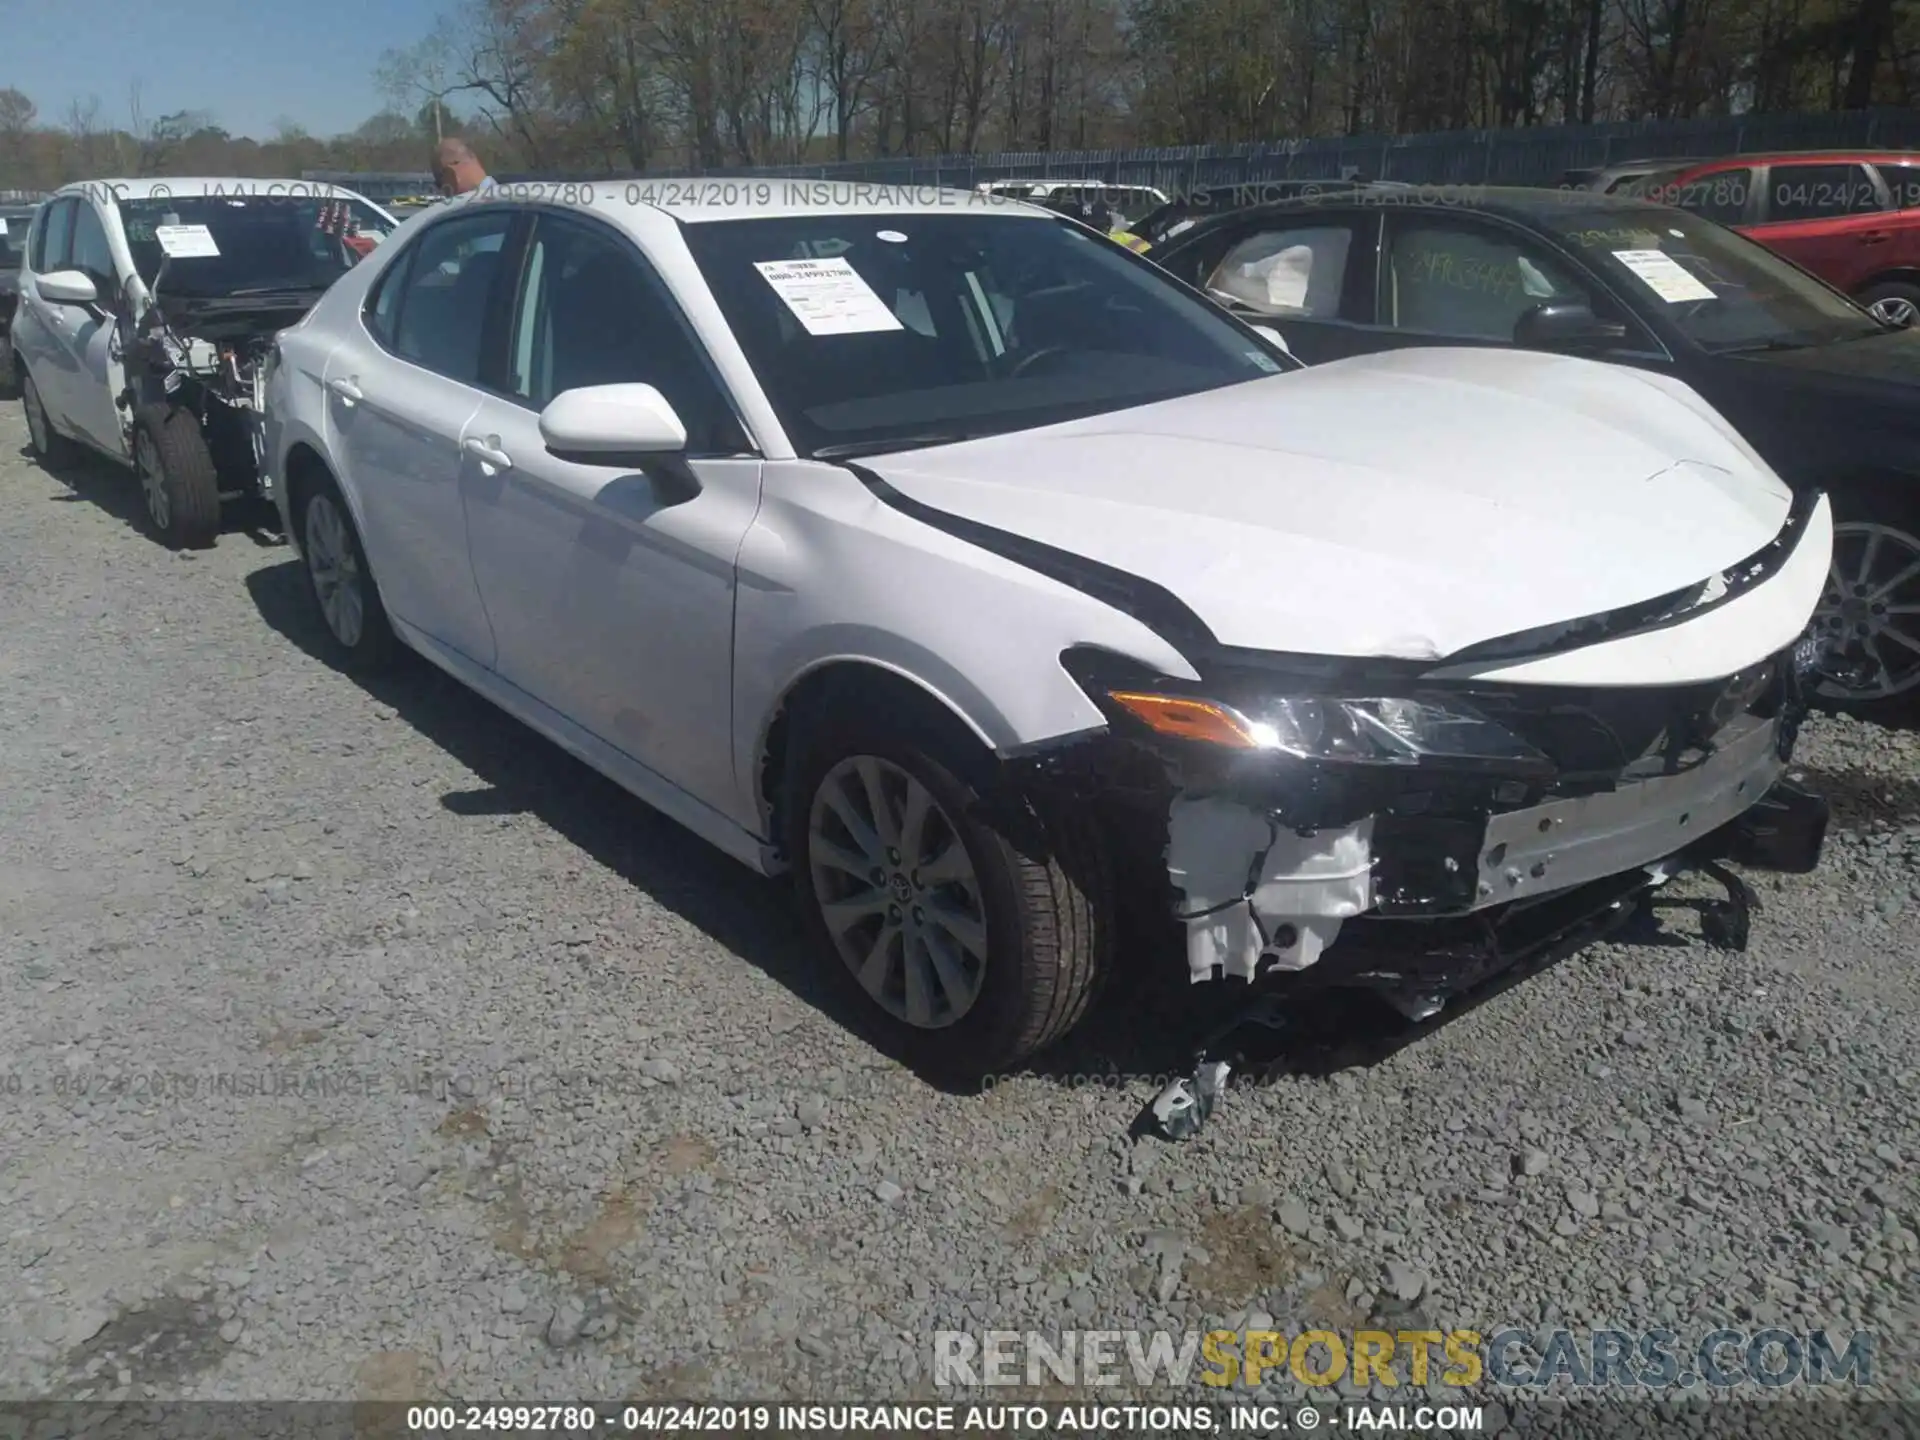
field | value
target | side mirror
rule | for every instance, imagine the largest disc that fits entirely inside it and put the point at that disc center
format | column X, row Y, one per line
column 604, row 423
column 68, row 287
column 1566, row 325
column 1268, row 332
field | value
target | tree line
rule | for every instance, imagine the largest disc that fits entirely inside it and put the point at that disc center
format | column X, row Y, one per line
column 597, row 85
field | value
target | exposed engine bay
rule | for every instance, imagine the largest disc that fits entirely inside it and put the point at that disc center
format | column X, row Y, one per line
column 208, row 356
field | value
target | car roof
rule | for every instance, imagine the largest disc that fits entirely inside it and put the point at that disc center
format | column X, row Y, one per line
column 1517, row 202
column 189, row 187
column 695, row 201
column 1802, row 157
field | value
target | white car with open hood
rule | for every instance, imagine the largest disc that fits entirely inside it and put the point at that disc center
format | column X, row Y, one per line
column 988, row 579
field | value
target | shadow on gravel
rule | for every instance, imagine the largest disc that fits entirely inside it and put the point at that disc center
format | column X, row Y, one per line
column 108, row 487
column 1858, row 800
column 527, row 775
column 1142, row 1028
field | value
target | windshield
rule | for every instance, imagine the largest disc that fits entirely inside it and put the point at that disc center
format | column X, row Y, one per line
column 874, row 330
column 264, row 242
column 13, row 238
column 1719, row 289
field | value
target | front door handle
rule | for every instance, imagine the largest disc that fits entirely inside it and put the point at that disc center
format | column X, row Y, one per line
column 347, row 391
column 488, row 451
column 1876, row 237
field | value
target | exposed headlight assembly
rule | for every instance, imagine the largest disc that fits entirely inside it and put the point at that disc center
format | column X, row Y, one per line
column 1379, row 730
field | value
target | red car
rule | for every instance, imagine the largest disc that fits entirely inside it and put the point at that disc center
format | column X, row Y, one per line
column 1851, row 217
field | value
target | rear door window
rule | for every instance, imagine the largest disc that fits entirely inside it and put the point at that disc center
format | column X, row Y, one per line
column 1903, row 185
column 1296, row 271
column 1819, row 192
column 442, row 304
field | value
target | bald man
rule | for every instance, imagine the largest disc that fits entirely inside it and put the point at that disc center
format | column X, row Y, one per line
column 457, row 170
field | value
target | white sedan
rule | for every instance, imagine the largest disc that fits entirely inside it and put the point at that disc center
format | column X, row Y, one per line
column 987, row 579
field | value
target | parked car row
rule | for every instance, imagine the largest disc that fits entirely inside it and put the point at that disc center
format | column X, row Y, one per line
column 1000, row 588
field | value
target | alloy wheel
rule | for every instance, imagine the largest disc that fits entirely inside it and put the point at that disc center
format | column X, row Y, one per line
column 1870, row 610
column 153, row 480
column 898, row 891
column 335, row 572
column 1896, row 310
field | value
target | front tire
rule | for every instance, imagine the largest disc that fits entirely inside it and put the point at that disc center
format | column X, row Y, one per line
column 970, row 932
column 178, row 480
column 339, row 580
column 50, row 448
column 1870, row 610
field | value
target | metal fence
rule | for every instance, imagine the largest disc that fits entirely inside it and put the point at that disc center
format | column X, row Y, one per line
column 1537, row 155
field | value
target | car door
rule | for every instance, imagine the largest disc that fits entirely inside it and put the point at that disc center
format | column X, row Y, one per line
column 44, row 332
column 98, row 338
column 400, row 390
column 611, row 586
column 1304, row 273
column 1827, row 217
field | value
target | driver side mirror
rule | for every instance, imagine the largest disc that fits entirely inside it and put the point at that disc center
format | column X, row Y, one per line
column 612, row 424
column 68, row 287
column 1568, row 325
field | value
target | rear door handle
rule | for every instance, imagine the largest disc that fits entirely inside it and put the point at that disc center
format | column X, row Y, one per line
column 347, row 391
column 488, row 452
column 1876, row 237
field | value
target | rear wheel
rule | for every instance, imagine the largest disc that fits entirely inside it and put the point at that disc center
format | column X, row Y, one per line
column 970, row 933
column 339, row 579
column 177, row 477
column 49, row 447
column 1895, row 301
column 1870, row 610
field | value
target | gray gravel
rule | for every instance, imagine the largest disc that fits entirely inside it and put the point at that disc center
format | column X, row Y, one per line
column 523, row 1094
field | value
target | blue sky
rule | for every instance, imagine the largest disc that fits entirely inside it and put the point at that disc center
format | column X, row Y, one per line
column 247, row 61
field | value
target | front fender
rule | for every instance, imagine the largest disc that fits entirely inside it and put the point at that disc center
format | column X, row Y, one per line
column 829, row 573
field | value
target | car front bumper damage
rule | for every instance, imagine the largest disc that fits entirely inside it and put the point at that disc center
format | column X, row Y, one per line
column 1259, row 896
column 1432, row 885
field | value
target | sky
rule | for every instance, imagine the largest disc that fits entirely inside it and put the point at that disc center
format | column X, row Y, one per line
column 248, row 62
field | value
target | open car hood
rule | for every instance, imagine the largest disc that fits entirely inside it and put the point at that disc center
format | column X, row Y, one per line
column 1409, row 504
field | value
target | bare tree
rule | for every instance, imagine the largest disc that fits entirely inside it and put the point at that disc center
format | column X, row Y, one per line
column 422, row 74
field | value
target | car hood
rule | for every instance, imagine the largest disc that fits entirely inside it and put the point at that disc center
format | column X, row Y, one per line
column 1408, row 504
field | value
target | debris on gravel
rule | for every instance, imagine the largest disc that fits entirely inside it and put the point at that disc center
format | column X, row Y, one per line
column 361, row 1044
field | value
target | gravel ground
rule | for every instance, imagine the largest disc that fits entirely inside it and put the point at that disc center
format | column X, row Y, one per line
column 361, row 1044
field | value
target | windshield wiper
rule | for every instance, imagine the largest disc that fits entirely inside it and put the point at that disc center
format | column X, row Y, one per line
column 299, row 289
column 852, row 448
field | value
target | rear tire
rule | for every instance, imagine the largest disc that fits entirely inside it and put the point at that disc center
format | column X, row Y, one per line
column 339, row 580
column 1892, row 299
column 50, row 448
column 178, row 479
column 990, row 875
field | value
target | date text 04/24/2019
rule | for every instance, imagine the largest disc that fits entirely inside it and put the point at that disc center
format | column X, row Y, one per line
column 936, row 1420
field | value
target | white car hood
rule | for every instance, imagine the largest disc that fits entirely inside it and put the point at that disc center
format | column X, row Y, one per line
column 1407, row 504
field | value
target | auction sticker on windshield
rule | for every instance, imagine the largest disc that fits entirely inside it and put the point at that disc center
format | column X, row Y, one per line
column 185, row 241
column 828, row 297
column 1664, row 275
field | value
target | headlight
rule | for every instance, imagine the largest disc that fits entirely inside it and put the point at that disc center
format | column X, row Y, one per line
column 1371, row 731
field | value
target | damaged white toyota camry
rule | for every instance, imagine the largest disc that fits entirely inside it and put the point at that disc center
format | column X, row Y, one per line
column 972, row 569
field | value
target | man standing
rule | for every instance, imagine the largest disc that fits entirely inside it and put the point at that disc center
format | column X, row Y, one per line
column 457, row 170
